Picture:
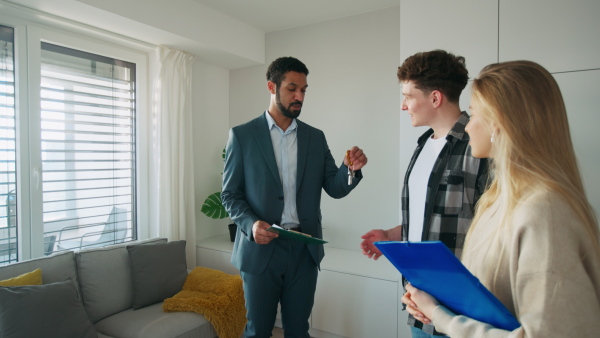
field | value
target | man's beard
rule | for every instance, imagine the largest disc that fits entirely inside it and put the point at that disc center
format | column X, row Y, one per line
column 287, row 112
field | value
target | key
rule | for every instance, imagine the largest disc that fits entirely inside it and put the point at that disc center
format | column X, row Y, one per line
column 350, row 168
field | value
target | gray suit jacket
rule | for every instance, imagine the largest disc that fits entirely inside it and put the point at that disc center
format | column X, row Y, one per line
column 252, row 189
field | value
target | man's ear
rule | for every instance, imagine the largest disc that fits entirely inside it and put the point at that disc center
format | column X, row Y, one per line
column 272, row 87
column 436, row 98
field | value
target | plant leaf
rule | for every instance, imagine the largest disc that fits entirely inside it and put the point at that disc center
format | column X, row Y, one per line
column 213, row 207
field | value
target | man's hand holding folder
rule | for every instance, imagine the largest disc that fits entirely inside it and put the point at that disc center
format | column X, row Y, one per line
column 295, row 235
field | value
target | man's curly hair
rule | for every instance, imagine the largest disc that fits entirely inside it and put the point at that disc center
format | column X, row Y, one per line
column 282, row 65
column 436, row 70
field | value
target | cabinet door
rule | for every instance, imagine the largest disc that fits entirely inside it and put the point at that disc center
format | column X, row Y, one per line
column 355, row 306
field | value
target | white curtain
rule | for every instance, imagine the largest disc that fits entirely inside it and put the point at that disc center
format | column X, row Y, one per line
column 171, row 200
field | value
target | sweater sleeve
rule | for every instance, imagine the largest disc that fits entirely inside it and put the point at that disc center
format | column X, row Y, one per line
column 461, row 326
column 552, row 277
column 552, row 307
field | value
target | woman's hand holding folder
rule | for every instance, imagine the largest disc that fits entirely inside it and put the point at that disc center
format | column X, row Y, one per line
column 419, row 303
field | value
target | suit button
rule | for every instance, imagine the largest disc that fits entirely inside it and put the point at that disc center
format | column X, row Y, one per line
column 281, row 198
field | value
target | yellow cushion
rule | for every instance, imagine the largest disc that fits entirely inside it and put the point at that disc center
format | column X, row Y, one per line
column 30, row 278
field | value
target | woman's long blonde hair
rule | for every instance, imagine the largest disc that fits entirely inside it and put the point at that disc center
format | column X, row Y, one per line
column 532, row 146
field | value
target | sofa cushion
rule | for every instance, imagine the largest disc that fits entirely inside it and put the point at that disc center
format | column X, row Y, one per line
column 30, row 278
column 158, row 271
column 55, row 268
column 152, row 322
column 51, row 310
column 105, row 279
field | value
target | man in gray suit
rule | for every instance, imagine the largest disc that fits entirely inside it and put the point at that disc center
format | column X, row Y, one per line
column 275, row 169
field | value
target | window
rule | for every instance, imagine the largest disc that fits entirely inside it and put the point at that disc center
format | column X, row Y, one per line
column 71, row 138
column 8, row 225
column 88, row 148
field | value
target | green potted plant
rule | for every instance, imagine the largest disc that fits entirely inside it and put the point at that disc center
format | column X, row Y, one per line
column 213, row 208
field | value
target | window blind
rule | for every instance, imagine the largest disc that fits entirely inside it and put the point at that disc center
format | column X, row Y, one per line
column 88, row 148
column 8, row 207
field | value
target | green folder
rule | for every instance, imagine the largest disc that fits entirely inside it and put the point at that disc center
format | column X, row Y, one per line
column 296, row 236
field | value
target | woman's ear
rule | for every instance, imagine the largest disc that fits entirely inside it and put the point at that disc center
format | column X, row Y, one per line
column 495, row 132
column 495, row 129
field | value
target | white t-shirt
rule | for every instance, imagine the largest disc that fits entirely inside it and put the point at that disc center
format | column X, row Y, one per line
column 417, row 186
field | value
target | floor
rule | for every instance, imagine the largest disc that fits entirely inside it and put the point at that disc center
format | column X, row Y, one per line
column 278, row 333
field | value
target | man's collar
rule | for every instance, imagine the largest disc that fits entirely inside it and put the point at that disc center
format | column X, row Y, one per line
column 457, row 131
column 271, row 122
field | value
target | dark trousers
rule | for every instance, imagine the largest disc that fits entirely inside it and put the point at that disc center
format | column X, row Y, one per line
column 290, row 279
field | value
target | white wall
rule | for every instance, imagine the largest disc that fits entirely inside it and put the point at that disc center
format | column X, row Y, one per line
column 353, row 97
column 465, row 27
column 210, row 86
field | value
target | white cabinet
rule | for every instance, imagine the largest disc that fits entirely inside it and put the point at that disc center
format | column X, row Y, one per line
column 356, row 297
column 560, row 35
column 355, row 306
column 579, row 90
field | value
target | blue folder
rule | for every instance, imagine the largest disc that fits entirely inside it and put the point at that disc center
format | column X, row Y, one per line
column 432, row 267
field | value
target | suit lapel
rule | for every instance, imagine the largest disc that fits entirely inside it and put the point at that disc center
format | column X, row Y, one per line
column 263, row 138
column 303, row 140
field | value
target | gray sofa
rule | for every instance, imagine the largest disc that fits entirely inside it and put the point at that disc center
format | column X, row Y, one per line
column 107, row 282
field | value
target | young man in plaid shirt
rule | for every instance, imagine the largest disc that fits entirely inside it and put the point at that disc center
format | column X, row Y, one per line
column 443, row 181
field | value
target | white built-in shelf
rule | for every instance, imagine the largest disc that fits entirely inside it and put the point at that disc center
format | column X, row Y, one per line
column 219, row 243
column 355, row 263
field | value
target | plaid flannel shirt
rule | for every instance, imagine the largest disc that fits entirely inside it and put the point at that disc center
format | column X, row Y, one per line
column 456, row 182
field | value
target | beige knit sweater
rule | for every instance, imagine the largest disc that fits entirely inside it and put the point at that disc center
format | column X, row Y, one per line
column 549, row 276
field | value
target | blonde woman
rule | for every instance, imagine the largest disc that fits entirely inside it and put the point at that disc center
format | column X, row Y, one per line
column 534, row 240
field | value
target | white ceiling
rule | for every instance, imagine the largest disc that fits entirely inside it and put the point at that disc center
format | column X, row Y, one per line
column 274, row 15
column 225, row 33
